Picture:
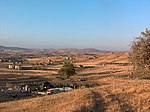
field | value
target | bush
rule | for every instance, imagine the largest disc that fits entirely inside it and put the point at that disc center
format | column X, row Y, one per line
column 140, row 53
column 67, row 70
column 13, row 95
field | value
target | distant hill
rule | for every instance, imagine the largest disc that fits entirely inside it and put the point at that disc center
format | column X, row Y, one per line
column 12, row 48
column 66, row 51
column 73, row 51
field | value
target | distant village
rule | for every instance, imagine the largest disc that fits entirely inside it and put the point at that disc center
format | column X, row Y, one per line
column 21, row 86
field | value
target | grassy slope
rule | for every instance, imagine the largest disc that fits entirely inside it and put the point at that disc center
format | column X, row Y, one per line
column 115, row 95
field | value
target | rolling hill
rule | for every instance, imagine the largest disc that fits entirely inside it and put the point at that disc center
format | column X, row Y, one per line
column 65, row 51
column 12, row 48
column 111, row 96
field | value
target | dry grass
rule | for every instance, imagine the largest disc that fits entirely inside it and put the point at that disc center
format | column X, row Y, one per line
column 116, row 95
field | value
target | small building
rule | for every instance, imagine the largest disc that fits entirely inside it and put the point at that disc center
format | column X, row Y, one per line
column 17, row 67
column 14, row 66
column 25, row 88
column 11, row 66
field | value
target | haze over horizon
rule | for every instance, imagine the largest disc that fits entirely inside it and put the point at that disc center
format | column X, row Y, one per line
column 100, row 24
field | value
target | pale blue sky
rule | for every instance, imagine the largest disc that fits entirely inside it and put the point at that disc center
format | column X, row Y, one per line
column 101, row 24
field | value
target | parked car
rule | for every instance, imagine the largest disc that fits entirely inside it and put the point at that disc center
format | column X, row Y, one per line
column 82, row 79
column 68, row 89
column 53, row 91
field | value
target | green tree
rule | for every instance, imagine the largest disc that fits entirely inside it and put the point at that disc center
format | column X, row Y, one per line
column 140, row 53
column 67, row 70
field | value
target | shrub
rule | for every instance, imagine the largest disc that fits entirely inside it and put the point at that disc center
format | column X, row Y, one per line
column 13, row 95
column 67, row 70
column 140, row 53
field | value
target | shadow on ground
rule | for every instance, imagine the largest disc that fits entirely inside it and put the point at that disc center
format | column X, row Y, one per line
column 98, row 104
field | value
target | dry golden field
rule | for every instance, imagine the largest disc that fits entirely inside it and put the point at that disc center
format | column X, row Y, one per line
column 118, row 90
column 114, row 95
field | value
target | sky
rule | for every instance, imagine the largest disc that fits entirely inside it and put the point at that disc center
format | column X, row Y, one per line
column 100, row 24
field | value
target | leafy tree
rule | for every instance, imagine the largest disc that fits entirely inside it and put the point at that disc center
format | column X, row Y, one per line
column 140, row 53
column 68, row 69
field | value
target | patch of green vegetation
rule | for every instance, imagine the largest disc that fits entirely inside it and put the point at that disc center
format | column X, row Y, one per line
column 13, row 95
column 67, row 70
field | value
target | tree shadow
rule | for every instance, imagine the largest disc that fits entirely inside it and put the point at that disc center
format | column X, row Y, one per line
column 98, row 104
column 125, row 106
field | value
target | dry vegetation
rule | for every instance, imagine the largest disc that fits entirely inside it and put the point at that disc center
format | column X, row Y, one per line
column 118, row 91
column 115, row 95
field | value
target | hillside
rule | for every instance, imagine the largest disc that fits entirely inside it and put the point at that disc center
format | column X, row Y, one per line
column 118, row 91
column 74, row 51
column 65, row 51
column 111, row 96
column 11, row 48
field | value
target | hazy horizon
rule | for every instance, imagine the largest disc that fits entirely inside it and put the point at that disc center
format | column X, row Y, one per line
column 100, row 24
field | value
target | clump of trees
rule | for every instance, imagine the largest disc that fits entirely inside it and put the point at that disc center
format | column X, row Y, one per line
column 67, row 70
column 140, row 53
